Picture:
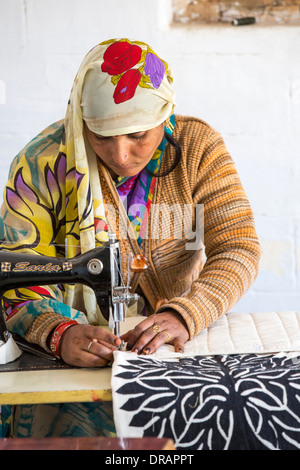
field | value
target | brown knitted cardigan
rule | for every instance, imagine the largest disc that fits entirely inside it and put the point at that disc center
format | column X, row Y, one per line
column 200, row 290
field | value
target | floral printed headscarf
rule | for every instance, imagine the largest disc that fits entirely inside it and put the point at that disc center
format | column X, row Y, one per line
column 127, row 88
column 121, row 87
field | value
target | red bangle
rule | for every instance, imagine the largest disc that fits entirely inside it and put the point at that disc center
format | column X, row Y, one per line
column 57, row 334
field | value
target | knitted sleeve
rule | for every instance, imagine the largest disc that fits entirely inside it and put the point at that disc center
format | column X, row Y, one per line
column 231, row 244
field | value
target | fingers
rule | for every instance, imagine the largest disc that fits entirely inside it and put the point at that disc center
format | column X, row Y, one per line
column 158, row 329
column 101, row 335
column 88, row 346
column 141, row 328
column 157, row 340
column 178, row 345
column 97, row 354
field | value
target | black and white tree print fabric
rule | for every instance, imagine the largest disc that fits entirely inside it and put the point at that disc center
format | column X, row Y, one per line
column 235, row 402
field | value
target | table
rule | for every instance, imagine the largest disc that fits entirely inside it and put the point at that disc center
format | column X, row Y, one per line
column 51, row 383
column 62, row 385
column 55, row 386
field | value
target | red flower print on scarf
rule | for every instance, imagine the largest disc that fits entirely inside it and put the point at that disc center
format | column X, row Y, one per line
column 120, row 56
column 130, row 66
column 127, row 85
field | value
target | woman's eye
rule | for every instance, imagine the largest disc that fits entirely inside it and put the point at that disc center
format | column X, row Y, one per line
column 101, row 137
column 138, row 136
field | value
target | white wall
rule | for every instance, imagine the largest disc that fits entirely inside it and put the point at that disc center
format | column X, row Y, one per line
column 244, row 81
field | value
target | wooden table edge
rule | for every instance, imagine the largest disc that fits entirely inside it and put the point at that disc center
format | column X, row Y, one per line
column 62, row 396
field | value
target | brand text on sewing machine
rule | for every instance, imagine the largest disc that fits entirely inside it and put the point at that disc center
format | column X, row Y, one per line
column 26, row 266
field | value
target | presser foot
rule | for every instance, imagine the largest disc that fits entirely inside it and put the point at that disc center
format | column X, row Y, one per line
column 122, row 346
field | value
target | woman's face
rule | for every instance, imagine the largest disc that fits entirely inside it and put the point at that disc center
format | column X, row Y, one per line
column 126, row 155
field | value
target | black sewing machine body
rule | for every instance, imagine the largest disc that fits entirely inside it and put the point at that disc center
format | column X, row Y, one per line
column 100, row 269
column 24, row 270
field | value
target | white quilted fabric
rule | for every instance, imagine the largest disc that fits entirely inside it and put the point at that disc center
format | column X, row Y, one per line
column 240, row 333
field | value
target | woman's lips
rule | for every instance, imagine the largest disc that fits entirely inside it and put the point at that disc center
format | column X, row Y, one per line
column 124, row 167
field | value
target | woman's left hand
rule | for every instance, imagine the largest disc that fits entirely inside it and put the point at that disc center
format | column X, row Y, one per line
column 156, row 330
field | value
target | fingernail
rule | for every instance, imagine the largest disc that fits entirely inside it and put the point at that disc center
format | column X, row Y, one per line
column 147, row 350
column 135, row 350
column 128, row 346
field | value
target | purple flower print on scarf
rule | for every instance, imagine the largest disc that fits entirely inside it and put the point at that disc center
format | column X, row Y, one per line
column 155, row 69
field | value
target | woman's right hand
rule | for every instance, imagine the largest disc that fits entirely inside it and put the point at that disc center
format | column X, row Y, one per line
column 88, row 346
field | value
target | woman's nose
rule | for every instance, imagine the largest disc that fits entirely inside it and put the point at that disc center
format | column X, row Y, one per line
column 121, row 151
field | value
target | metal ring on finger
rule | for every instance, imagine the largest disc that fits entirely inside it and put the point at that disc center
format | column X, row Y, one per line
column 169, row 337
column 156, row 328
column 89, row 346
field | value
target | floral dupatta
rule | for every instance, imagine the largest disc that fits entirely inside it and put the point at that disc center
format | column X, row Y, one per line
column 136, row 192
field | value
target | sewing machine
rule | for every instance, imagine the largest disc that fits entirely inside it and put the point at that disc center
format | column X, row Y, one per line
column 100, row 269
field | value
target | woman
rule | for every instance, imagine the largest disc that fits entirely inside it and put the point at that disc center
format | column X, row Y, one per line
column 119, row 153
